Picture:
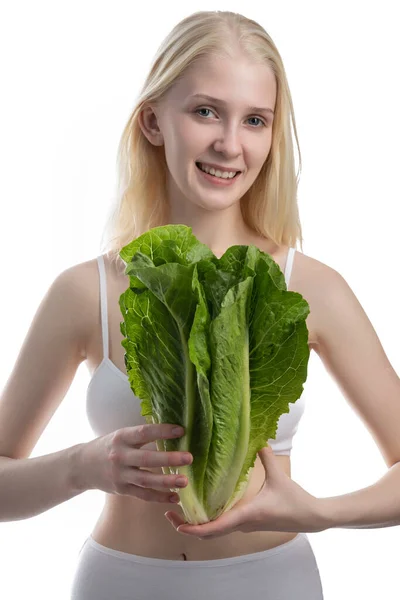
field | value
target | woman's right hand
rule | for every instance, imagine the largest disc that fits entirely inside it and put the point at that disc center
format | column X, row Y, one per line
column 113, row 463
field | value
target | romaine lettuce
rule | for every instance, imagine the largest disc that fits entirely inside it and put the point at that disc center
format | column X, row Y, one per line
column 218, row 346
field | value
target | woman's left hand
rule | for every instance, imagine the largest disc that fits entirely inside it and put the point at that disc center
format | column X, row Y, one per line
column 280, row 505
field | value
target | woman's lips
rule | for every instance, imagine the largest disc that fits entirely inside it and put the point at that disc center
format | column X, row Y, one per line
column 218, row 180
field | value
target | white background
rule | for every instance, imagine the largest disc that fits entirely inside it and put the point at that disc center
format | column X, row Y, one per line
column 70, row 72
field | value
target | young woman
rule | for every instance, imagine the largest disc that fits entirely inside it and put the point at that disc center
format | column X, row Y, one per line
column 208, row 145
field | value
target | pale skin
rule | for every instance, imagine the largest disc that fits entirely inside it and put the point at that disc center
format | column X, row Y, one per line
column 232, row 137
column 66, row 331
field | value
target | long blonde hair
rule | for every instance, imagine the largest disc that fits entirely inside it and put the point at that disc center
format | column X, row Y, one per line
column 269, row 206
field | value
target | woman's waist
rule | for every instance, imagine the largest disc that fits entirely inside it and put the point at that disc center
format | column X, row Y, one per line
column 138, row 527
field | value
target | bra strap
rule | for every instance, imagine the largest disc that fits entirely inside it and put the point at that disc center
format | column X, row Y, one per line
column 103, row 304
column 289, row 265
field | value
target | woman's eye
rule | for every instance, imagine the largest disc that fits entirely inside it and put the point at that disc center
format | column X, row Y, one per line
column 258, row 119
column 209, row 109
column 202, row 109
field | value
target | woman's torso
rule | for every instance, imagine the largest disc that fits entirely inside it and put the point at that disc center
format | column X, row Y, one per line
column 129, row 524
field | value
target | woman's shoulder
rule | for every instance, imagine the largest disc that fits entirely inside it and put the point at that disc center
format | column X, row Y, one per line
column 312, row 278
column 84, row 277
column 309, row 270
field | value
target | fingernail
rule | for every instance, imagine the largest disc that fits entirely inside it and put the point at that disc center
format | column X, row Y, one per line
column 178, row 431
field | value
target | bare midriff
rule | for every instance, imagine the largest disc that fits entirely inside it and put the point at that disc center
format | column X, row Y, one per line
column 135, row 526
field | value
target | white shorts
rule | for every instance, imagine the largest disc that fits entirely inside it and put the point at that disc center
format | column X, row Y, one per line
column 286, row 572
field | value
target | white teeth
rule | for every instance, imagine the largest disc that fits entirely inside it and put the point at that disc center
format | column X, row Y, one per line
column 221, row 174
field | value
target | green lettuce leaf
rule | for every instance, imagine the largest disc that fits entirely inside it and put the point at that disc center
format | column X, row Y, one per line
column 218, row 346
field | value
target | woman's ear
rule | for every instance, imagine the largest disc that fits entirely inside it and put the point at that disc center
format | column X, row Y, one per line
column 148, row 123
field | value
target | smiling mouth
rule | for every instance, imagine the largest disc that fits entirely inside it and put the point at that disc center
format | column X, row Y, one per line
column 202, row 170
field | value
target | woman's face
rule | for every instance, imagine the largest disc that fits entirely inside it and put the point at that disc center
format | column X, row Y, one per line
column 229, row 132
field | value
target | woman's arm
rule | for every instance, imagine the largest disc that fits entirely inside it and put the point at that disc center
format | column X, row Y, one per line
column 45, row 368
column 30, row 486
column 377, row 505
column 352, row 353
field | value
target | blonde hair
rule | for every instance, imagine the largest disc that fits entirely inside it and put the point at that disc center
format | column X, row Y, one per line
column 269, row 206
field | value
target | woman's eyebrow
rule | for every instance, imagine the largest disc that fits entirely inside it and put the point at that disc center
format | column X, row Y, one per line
column 223, row 103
